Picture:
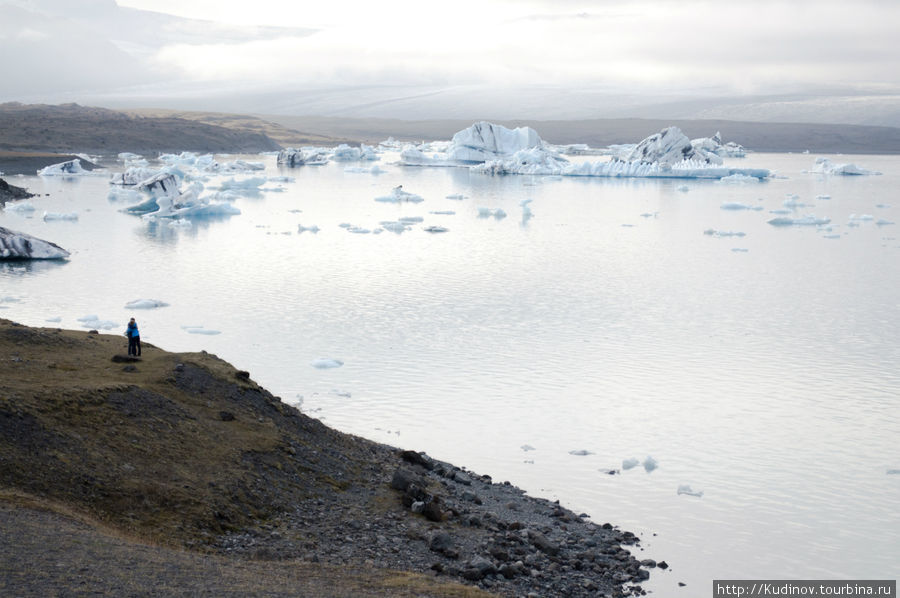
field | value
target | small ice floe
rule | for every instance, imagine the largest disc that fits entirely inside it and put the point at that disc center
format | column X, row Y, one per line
column 808, row 220
column 248, row 184
column 93, row 321
column 882, row 206
column 883, row 222
column 861, row 217
column 145, row 304
column 630, row 463
column 457, row 196
column 496, row 213
column 358, row 230
column 833, row 236
column 650, row 215
column 54, row 320
column 683, row 188
column 780, row 212
column 345, row 225
column 711, row 232
column 650, row 464
column 893, row 471
column 120, row 194
column 375, row 169
column 738, row 178
column 822, row 197
column 411, row 219
column 443, row 213
column 313, row 229
column 70, row 216
column 341, row 393
column 826, row 166
column 19, row 207
column 792, row 201
column 736, row 205
column 282, row 179
column 686, row 489
column 435, row 229
column 200, row 330
column 394, row 226
column 740, row 249
column 398, row 195
column 326, row 363
column 527, row 447
column 581, row 453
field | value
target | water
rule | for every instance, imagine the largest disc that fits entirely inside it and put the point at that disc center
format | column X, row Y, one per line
column 759, row 369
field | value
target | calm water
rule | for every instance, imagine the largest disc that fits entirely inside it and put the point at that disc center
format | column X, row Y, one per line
column 759, row 369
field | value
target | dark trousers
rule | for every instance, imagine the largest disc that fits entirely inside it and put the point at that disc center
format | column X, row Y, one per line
column 134, row 345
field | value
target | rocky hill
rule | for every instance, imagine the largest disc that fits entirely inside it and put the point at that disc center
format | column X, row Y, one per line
column 74, row 128
column 186, row 452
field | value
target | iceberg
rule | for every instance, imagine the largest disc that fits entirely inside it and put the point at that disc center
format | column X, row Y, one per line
column 714, row 146
column 133, row 176
column 650, row 464
column 310, row 156
column 685, row 489
column 233, row 184
column 398, row 195
column 324, row 363
column 808, row 220
column 20, row 246
column 667, row 154
column 145, row 304
column 345, row 153
column 93, row 321
column 485, row 141
column 162, row 183
column 711, row 232
column 200, row 330
column 826, row 166
column 630, row 463
column 19, row 207
column 435, row 229
column 69, row 216
column 69, row 168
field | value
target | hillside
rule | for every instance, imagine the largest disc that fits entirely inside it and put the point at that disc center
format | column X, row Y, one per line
column 73, row 128
column 183, row 451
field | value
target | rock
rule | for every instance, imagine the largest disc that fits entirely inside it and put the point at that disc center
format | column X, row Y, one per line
column 129, row 368
column 662, row 565
column 417, row 506
column 542, row 543
column 124, row 359
column 648, row 563
column 478, row 568
column 432, row 511
column 226, row 416
column 462, row 478
column 242, row 375
column 420, row 459
column 403, row 478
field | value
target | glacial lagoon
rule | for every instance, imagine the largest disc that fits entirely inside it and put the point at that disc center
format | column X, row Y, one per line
column 653, row 353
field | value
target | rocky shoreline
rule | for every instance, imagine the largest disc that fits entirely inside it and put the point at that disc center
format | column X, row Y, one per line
column 186, row 451
column 11, row 192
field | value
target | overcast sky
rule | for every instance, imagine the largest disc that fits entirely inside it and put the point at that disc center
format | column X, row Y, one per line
column 652, row 48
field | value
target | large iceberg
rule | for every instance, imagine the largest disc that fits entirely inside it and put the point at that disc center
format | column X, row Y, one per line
column 19, row 246
column 307, row 156
column 481, row 142
column 67, row 168
column 667, row 154
column 345, row 153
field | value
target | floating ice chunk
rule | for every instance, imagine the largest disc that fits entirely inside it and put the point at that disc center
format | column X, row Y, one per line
column 650, row 464
column 160, row 184
column 19, row 207
column 93, row 321
column 834, row 236
column 496, row 213
column 736, row 205
column 883, row 222
column 823, row 197
column 249, row 183
column 358, row 230
column 486, row 141
column 313, row 229
column 862, row 217
column 630, row 463
column 282, row 179
column 70, row 216
column 826, row 166
column 683, row 188
column 740, row 249
column 650, row 215
column 780, row 212
column 808, row 220
column 68, row 168
column 882, row 205
column 308, row 156
column 133, row 175
column 527, row 447
column 200, row 330
column 345, row 153
column 792, row 200
column 394, row 227
column 443, row 212
column 20, row 246
column 738, row 178
column 398, row 195
column 145, row 304
column 685, row 489
column 345, row 225
column 374, row 169
column 241, row 166
column 457, row 196
column 723, row 233
column 435, row 229
column 54, row 320
column 580, row 453
column 411, row 219
column 325, row 363
column 893, row 471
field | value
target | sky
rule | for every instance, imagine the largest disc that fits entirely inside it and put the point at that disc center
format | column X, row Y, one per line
column 515, row 58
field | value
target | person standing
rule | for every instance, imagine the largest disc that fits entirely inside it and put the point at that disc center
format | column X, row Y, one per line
column 134, row 339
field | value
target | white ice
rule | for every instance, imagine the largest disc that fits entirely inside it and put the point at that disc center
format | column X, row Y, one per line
column 70, row 216
column 93, row 321
column 650, row 464
column 435, row 229
column 630, row 463
column 398, row 195
column 883, row 222
column 722, row 233
column 307, row 156
column 145, row 304
column 826, row 166
column 496, row 213
column 581, row 453
column 685, row 489
column 250, row 183
column 200, row 330
column 374, row 169
column 457, row 196
column 19, row 207
column 68, row 168
column 808, row 220
column 118, row 194
column 736, row 205
column 313, row 229
column 345, row 153
column 324, row 363
column 527, row 447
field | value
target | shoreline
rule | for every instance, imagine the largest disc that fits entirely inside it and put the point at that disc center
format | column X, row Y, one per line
column 271, row 483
